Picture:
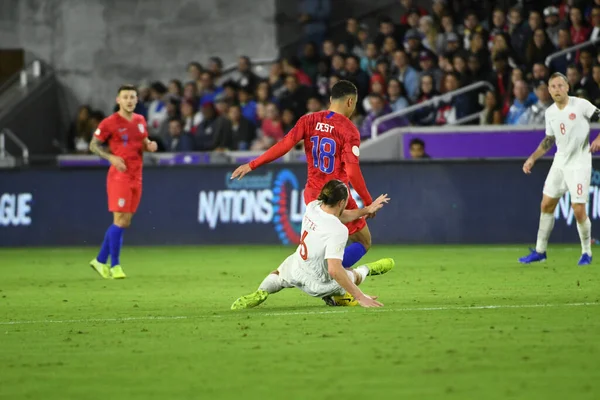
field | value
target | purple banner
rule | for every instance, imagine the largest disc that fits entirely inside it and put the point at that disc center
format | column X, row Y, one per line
column 479, row 144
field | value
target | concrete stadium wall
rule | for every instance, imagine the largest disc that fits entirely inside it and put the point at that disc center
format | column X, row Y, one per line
column 95, row 45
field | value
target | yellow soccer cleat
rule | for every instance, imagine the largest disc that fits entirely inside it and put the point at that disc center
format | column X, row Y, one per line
column 250, row 301
column 116, row 272
column 346, row 300
column 380, row 267
column 100, row 268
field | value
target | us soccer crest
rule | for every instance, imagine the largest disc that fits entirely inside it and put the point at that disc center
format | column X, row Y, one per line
column 141, row 128
column 121, row 202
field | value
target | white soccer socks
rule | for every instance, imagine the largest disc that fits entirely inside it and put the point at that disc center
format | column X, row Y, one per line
column 585, row 233
column 544, row 231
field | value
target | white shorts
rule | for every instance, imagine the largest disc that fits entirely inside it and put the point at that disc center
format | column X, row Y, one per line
column 293, row 275
column 576, row 180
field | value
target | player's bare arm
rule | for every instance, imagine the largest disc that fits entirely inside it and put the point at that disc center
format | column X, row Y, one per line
column 595, row 146
column 241, row 171
column 150, row 146
column 338, row 273
column 542, row 149
column 351, row 215
column 98, row 148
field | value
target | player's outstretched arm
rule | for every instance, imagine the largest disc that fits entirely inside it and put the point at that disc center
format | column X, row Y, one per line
column 98, row 148
column 358, row 182
column 339, row 274
column 150, row 145
column 542, row 149
column 351, row 215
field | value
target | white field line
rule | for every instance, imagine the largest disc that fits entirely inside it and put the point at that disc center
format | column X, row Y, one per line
column 283, row 313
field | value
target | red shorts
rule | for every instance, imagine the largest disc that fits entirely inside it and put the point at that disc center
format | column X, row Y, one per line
column 354, row 226
column 123, row 196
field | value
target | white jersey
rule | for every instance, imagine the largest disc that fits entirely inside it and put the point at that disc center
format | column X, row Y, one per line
column 323, row 237
column 571, row 129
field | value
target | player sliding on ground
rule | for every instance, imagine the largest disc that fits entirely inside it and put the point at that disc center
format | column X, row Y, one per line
column 331, row 142
column 127, row 138
column 316, row 266
column 566, row 125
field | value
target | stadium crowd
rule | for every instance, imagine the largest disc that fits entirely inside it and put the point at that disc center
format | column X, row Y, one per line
column 410, row 59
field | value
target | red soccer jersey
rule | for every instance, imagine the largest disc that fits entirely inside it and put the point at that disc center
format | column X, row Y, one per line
column 126, row 140
column 331, row 142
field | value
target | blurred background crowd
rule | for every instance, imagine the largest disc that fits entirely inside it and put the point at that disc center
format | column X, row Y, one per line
column 412, row 56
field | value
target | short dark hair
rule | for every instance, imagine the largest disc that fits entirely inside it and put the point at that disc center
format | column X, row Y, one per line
column 175, row 119
column 333, row 192
column 195, row 64
column 573, row 66
column 343, row 89
column 417, row 141
column 354, row 57
column 125, row 87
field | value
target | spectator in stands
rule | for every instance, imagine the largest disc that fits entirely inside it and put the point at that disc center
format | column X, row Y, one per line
column 501, row 77
column 144, row 97
column 517, row 30
column 178, row 140
column 386, row 29
column 175, row 88
column 575, row 79
column 445, row 65
column 459, row 62
column 476, row 70
column 362, row 41
column 427, row 66
column 438, row 9
column 276, row 79
column 215, row 67
column 383, row 68
column 417, row 149
column 492, row 111
column 190, row 93
column 536, row 112
column 432, row 39
column 538, row 49
column 586, row 61
column 377, row 86
column 271, row 129
column 369, row 62
column 295, row 95
column 552, row 24
column 194, row 69
column 452, row 45
column 457, row 107
column 580, row 30
column 309, row 63
column 520, row 104
column 209, row 89
column 499, row 25
column 448, row 28
column 405, row 73
column 357, row 76
column 396, row 95
column 412, row 20
column 400, row 13
column 230, row 90
column 247, row 105
column 559, row 64
column 426, row 115
column 80, row 132
column 471, row 26
column 157, row 112
column 540, row 72
column 479, row 49
column 313, row 105
column 292, row 66
column 322, row 80
column 190, row 118
column 534, row 22
column 245, row 76
column 328, row 49
column 413, row 46
column 338, row 64
column 595, row 18
column 243, row 131
column 389, row 47
column 378, row 109
column 502, row 44
column 594, row 93
column 314, row 17
column 205, row 134
column 173, row 111
column 350, row 37
column 287, row 120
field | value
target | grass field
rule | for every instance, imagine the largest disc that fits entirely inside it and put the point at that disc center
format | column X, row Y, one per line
column 458, row 323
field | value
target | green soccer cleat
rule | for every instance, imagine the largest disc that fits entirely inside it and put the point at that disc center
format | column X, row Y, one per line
column 116, row 272
column 250, row 301
column 100, row 268
column 380, row 267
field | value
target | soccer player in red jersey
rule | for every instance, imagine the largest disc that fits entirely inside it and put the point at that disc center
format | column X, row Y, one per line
column 126, row 135
column 331, row 142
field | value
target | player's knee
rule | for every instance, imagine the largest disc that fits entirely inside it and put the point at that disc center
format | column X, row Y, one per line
column 548, row 207
column 579, row 212
column 122, row 220
column 366, row 242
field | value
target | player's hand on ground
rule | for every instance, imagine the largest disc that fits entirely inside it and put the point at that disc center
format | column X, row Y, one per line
column 241, row 171
column 151, row 146
column 528, row 166
column 118, row 163
column 595, row 145
column 369, row 301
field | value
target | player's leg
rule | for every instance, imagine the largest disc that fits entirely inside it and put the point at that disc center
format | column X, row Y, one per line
column 578, row 181
column 554, row 188
column 121, row 221
column 360, row 237
column 273, row 283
